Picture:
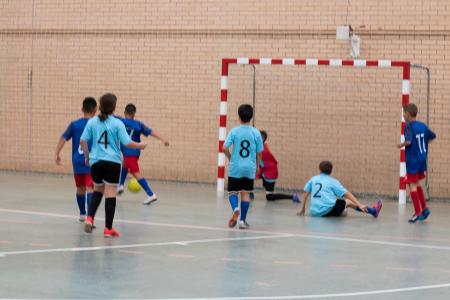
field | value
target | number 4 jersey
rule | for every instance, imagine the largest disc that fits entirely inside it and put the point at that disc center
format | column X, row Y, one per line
column 106, row 137
column 74, row 131
column 416, row 153
column 247, row 142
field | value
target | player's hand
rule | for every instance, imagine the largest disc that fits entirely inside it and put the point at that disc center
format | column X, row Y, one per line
column 301, row 212
column 363, row 208
column 58, row 159
column 165, row 143
column 86, row 161
column 143, row 145
column 399, row 146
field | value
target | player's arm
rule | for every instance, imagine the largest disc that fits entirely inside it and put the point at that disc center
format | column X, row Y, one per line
column 67, row 135
column 350, row 197
column 302, row 210
column 226, row 151
column 59, row 147
column 258, row 161
column 159, row 137
column 85, row 148
column 127, row 141
column 404, row 144
column 408, row 137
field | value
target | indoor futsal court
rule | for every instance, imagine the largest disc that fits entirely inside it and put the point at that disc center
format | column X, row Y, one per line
column 224, row 150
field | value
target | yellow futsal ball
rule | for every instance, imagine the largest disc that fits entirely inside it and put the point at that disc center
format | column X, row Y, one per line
column 133, row 185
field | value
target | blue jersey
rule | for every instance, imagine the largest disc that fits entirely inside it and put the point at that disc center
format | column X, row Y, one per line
column 247, row 142
column 134, row 129
column 324, row 191
column 416, row 153
column 74, row 131
column 106, row 138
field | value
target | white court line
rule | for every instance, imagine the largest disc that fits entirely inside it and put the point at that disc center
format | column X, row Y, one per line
column 270, row 233
column 55, row 215
column 318, row 296
column 177, row 243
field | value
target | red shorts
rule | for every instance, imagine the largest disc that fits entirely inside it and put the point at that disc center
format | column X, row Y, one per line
column 414, row 178
column 83, row 180
column 131, row 164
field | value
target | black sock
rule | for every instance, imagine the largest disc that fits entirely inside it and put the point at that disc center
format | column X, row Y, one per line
column 110, row 209
column 274, row 197
column 96, row 200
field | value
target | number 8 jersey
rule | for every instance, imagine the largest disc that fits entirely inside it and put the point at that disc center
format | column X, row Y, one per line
column 106, row 137
column 418, row 134
column 247, row 142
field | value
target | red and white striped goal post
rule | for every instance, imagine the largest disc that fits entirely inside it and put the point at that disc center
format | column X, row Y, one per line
column 358, row 63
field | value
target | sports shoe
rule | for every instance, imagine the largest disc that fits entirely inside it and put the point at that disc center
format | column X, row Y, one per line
column 296, row 198
column 82, row 218
column 243, row 225
column 150, row 200
column 110, row 233
column 233, row 221
column 120, row 190
column 415, row 218
column 425, row 213
column 377, row 206
column 89, row 224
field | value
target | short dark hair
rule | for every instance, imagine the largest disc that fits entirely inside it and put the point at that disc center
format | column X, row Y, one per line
column 89, row 104
column 245, row 112
column 107, row 106
column 130, row 109
column 412, row 109
column 326, row 167
column 263, row 135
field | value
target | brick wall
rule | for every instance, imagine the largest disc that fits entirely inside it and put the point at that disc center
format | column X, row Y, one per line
column 165, row 57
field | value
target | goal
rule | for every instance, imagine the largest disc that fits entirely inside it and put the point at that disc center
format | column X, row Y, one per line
column 402, row 66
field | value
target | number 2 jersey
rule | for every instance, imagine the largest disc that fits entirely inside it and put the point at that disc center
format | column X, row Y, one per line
column 134, row 129
column 324, row 191
column 419, row 135
column 106, row 138
column 247, row 142
column 74, row 131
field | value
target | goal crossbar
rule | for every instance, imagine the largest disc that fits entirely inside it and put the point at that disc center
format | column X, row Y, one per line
column 357, row 63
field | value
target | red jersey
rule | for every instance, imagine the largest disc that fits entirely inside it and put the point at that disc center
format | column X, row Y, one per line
column 269, row 165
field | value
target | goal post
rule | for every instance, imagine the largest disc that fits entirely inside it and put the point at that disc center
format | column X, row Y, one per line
column 403, row 66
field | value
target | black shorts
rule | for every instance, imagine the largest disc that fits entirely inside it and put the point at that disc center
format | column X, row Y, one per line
column 337, row 209
column 105, row 172
column 268, row 186
column 240, row 184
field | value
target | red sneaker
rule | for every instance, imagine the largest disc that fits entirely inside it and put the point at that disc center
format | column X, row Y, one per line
column 110, row 233
column 89, row 224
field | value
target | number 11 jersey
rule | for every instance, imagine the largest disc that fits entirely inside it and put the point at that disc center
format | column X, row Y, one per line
column 247, row 142
column 416, row 153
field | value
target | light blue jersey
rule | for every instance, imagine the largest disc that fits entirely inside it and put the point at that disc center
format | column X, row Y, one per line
column 324, row 191
column 247, row 142
column 106, row 138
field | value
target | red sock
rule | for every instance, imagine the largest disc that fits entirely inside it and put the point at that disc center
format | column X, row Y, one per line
column 423, row 202
column 416, row 203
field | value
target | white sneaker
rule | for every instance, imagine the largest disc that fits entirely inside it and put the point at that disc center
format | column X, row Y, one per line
column 243, row 225
column 120, row 190
column 150, row 200
column 82, row 218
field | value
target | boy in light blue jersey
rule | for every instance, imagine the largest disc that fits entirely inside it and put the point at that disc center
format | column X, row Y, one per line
column 329, row 198
column 245, row 158
column 106, row 134
column 135, row 129
column 81, row 172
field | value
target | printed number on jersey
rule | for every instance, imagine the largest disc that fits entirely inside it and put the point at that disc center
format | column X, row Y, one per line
column 421, row 142
column 103, row 140
column 245, row 151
